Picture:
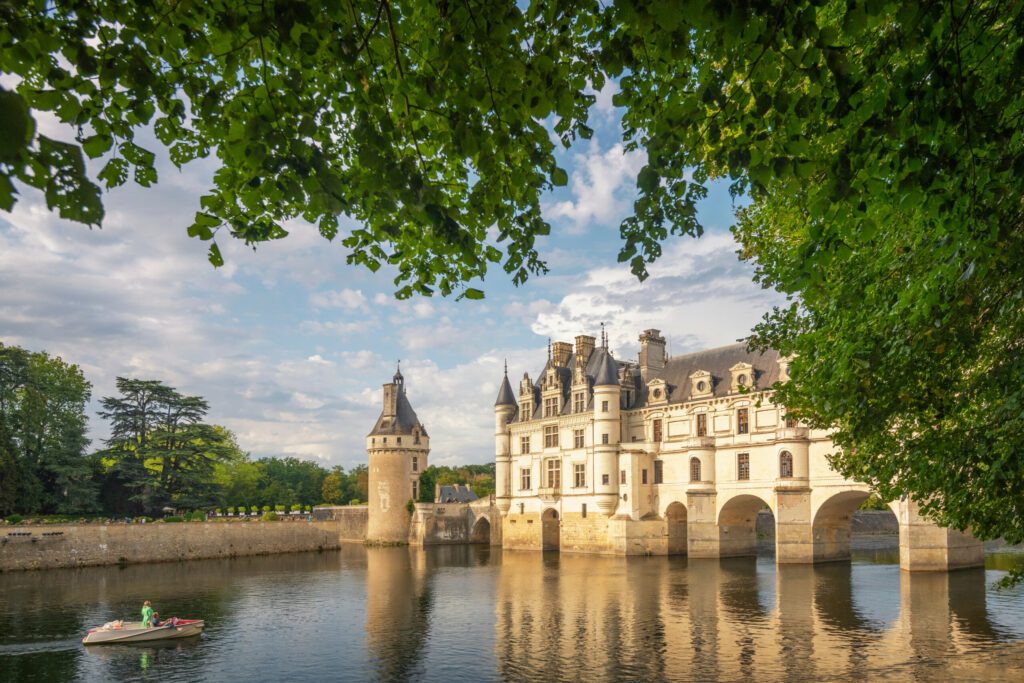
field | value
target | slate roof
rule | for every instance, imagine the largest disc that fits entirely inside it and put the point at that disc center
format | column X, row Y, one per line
column 607, row 371
column 505, row 395
column 717, row 362
column 454, row 493
column 404, row 422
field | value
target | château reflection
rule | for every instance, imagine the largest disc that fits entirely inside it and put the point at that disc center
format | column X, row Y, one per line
column 651, row 619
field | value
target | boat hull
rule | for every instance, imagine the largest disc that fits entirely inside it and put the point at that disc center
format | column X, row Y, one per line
column 136, row 633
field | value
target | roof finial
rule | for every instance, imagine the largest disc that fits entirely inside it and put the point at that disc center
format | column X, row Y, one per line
column 506, row 367
column 604, row 337
column 549, row 348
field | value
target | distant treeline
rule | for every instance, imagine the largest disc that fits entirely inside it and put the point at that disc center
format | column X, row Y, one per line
column 162, row 453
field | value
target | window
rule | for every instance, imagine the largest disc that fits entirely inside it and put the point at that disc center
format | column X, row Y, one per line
column 579, row 475
column 694, row 469
column 702, row 424
column 524, row 479
column 577, row 438
column 790, row 422
column 659, row 472
column 416, row 436
column 743, row 466
column 643, row 476
column 604, row 438
column 551, row 436
column 524, row 445
column 554, row 474
column 551, row 406
column 785, row 465
column 415, row 490
column 742, row 423
column 657, row 430
column 584, row 511
column 622, row 476
column 604, row 406
column 741, row 381
column 399, row 439
column 579, row 403
column 604, row 479
column 526, row 411
column 415, row 464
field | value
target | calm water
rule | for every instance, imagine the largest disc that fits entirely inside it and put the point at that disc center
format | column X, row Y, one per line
column 472, row 613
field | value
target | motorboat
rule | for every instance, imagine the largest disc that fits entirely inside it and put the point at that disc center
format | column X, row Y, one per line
column 137, row 632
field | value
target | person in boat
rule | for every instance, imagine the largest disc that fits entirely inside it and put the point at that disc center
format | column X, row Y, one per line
column 156, row 620
column 147, row 614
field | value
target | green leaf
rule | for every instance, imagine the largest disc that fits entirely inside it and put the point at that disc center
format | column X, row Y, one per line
column 214, row 255
column 97, row 145
column 471, row 293
column 16, row 125
column 559, row 178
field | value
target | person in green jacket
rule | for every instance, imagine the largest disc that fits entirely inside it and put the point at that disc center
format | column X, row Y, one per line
column 147, row 614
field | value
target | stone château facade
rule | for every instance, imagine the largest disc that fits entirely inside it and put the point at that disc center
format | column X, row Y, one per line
column 676, row 456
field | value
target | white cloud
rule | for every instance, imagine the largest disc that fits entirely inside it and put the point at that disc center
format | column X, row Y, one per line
column 602, row 187
column 351, row 299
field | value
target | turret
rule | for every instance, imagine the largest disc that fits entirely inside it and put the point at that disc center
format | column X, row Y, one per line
column 607, row 429
column 397, row 448
column 504, row 411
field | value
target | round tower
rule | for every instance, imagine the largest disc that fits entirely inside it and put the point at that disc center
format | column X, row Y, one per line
column 607, row 428
column 397, row 450
column 504, row 410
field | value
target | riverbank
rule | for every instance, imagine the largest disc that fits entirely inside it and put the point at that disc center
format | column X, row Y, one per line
column 25, row 547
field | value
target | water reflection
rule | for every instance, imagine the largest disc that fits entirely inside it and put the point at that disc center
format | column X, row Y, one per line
column 476, row 613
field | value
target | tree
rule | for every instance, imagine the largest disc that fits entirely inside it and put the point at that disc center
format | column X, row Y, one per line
column 332, row 490
column 43, row 465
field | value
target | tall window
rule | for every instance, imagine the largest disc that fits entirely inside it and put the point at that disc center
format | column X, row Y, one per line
column 659, row 472
column 579, row 403
column 577, row 438
column 702, row 424
column 622, row 476
column 694, row 469
column 743, row 466
column 416, row 436
column 415, row 464
column 554, row 474
column 415, row 490
column 579, row 475
column 643, row 476
column 604, row 406
column 657, row 430
column 742, row 421
column 785, row 465
column 583, row 512
column 524, row 479
column 524, row 445
column 526, row 411
column 551, row 406
column 604, row 438
column 551, row 436
column 604, row 479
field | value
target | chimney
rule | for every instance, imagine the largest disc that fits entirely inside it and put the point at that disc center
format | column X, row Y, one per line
column 560, row 352
column 652, row 354
column 584, row 347
column 391, row 399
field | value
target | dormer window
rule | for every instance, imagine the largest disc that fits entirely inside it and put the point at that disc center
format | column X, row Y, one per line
column 701, row 384
column 742, row 377
column 784, row 372
column 657, row 391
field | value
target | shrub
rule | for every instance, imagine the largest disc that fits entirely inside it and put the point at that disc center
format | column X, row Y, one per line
column 266, row 508
column 231, row 511
column 196, row 516
column 172, row 520
column 14, row 519
column 354, row 501
column 410, row 506
column 309, row 508
column 270, row 516
column 254, row 509
column 279, row 509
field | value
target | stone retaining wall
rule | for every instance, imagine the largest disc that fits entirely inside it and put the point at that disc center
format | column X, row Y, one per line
column 351, row 519
column 53, row 546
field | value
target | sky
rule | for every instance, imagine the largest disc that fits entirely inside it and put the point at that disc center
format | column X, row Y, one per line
column 291, row 346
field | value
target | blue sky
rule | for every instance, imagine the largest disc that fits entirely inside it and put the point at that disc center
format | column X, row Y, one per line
column 291, row 346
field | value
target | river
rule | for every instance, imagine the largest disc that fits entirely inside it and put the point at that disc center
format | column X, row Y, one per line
column 479, row 614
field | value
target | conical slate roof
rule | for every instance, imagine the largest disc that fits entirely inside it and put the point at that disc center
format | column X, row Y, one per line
column 607, row 373
column 403, row 422
column 505, row 395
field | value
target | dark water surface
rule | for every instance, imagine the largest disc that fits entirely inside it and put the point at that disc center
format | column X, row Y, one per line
column 478, row 614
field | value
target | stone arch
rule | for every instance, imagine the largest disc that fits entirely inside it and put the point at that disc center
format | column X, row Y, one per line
column 550, row 531
column 481, row 531
column 675, row 528
column 737, row 525
column 830, row 527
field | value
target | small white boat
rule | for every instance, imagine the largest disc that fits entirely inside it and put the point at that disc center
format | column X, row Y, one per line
column 136, row 631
